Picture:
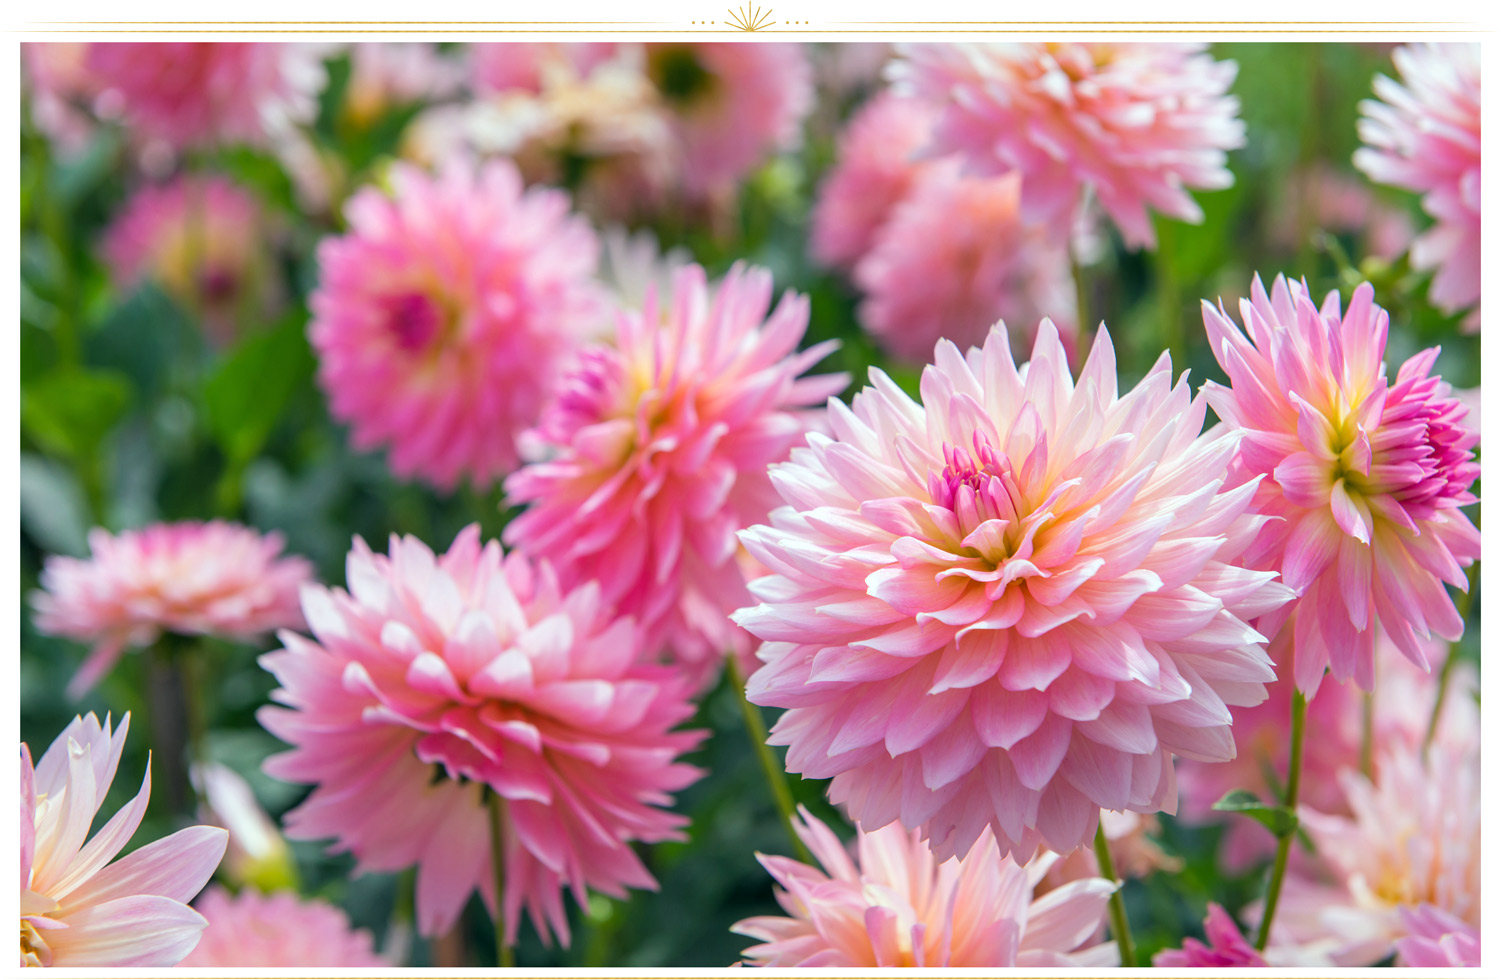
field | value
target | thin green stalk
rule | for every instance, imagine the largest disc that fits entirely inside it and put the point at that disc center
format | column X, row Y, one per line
column 504, row 955
column 1118, row 923
column 1168, row 295
column 1465, row 601
column 1284, row 840
column 755, row 727
column 1367, row 736
column 1080, row 294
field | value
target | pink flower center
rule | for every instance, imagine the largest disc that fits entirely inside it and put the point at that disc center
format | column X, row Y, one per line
column 217, row 285
column 978, row 487
column 414, row 319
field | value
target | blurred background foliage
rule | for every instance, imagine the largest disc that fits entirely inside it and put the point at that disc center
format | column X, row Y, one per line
column 129, row 415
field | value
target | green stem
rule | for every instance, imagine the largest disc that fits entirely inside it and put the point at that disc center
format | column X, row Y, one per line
column 1118, row 923
column 1169, row 299
column 1367, row 736
column 1284, row 840
column 755, row 727
column 504, row 955
column 1080, row 295
column 1465, row 601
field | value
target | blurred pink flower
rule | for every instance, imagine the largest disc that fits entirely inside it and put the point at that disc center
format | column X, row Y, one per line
column 658, row 452
column 955, row 258
column 387, row 76
column 78, row 909
column 447, row 313
column 509, row 67
column 205, row 241
column 894, row 905
column 1424, row 136
column 1011, row 607
column 61, row 90
column 1363, row 477
column 1436, row 939
column 1131, row 846
column 1319, row 197
column 877, row 163
column 257, row 854
column 279, row 930
column 1138, row 124
column 214, row 579
column 1227, row 947
column 437, row 681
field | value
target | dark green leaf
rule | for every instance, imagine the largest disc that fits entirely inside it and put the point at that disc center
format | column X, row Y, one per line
column 1278, row 819
column 246, row 395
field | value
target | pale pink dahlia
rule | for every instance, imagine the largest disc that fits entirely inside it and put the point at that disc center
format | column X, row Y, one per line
column 214, row 579
column 1010, row 607
column 1364, row 476
column 659, row 446
column 78, row 909
column 387, row 76
column 282, row 929
column 878, row 158
column 1226, row 947
column 954, row 258
column 1435, row 938
column 1424, row 136
column 446, row 314
column 892, row 904
column 437, row 681
column 1138, row 124
column 205, row 241
column 60, row 89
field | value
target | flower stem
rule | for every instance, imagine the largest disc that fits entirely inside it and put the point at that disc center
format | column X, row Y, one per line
column 1118, row 923
column 1465, row 601
column 1367, row 736
column 1080, row 297
column 504, row 955
column 1284, row 840
column 755, row 727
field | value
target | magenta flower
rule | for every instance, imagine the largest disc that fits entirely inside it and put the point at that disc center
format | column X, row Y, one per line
column 892, row 904
column 1436, row 939
column 1138, row 124
column 1364, row 476
column 278, row 930
column 1010, row 605
column 436, row 681
column 1227, row 946
column 1424, row 136
column 447, row 313
column 658, row 453
column 77, row 908
column 214, row 579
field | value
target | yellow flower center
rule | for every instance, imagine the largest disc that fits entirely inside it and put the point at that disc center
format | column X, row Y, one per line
column 34, row 949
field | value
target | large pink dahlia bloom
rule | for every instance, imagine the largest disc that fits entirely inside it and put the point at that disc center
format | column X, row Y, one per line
column 214, row 579
column 447, row 312
column 892, row 904
column 1010, row 605
column 1138, row 124
column 1435, row 938
column 278, row 930
column 659, row 446
column 78, row 909
column 1366, row 475
column 1424, row 136
column 437, row 681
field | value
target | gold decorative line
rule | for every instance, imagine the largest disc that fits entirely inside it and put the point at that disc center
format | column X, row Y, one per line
column 749, row 18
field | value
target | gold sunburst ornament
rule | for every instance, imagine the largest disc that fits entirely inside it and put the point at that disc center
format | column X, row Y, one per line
column 749, row 18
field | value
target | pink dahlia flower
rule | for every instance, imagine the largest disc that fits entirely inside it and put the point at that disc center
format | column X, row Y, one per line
column 204, row 239
column 279, row 930
column 192, row 93
column 1364, row 476
column 892, row 904
column 507, row 67
column 1009, row 607
column 437, row 681
column 954, row 258
column 1138, row 124
column 1226, row 947
column 660, row 445
column 447, row 313
column 60, row 89
column 214, row 579
column 78, row 909
column 878, row 159
column 1435, row 938
column 1424, row 136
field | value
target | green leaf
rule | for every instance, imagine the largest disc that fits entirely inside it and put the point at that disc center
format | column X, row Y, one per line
column 53, row 510
column 69, row 411
column 1278, row 819
column 141, row 337
column 245, row 397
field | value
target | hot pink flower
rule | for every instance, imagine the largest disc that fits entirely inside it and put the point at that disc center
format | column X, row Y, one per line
column 1136, row 123
column 1424, row 136
column 877, row 162
column 435, row 682
column 660, row 446
column 1227, row 946
column 1010, row 607
column 954, row 258
column 279, row 930
column 447, row 313
column 78, row 909
column 204, row 240
column 1366, row 476
column 894, row 905
column 214, row 579
column 1435, row 938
